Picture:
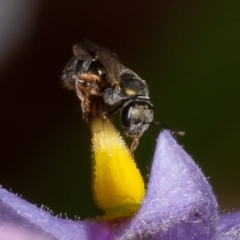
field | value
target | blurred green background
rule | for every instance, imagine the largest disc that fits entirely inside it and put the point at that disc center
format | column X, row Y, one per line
column 187, row 51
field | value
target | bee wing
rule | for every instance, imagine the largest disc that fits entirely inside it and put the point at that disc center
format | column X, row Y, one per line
column 82, row 52
column 89, row 50
column 125, row 70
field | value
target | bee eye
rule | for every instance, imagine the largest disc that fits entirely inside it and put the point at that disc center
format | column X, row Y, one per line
column 126, row 115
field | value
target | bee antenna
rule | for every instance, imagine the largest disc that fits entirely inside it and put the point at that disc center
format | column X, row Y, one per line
column 175, row 132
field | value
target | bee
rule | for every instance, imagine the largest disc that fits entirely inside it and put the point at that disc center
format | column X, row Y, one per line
column 97, row 75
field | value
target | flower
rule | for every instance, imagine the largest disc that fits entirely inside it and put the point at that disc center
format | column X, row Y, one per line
column 179, row 204
column 115, row 169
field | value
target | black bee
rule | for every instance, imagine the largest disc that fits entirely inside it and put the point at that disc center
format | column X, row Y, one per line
column 97, row 75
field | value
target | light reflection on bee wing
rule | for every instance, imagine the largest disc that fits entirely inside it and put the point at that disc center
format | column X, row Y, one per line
column 125, row 70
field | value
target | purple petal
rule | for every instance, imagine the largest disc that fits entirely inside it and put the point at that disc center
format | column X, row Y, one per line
column 228, row 226
column 21, row 220
column 179, row 203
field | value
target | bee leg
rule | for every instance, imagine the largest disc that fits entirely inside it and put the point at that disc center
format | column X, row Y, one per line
column 104, row 123
column 116, row 85
column 112, row 96
column 94, row 89
column 85, row 105
column 134, row 145
column 90, row 78
column 92, row 82
column 173, row 131
column 83, row 95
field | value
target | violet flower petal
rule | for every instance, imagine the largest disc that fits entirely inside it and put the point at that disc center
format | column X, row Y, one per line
column 179, row 203
column 228, row 226
column 20, row 220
